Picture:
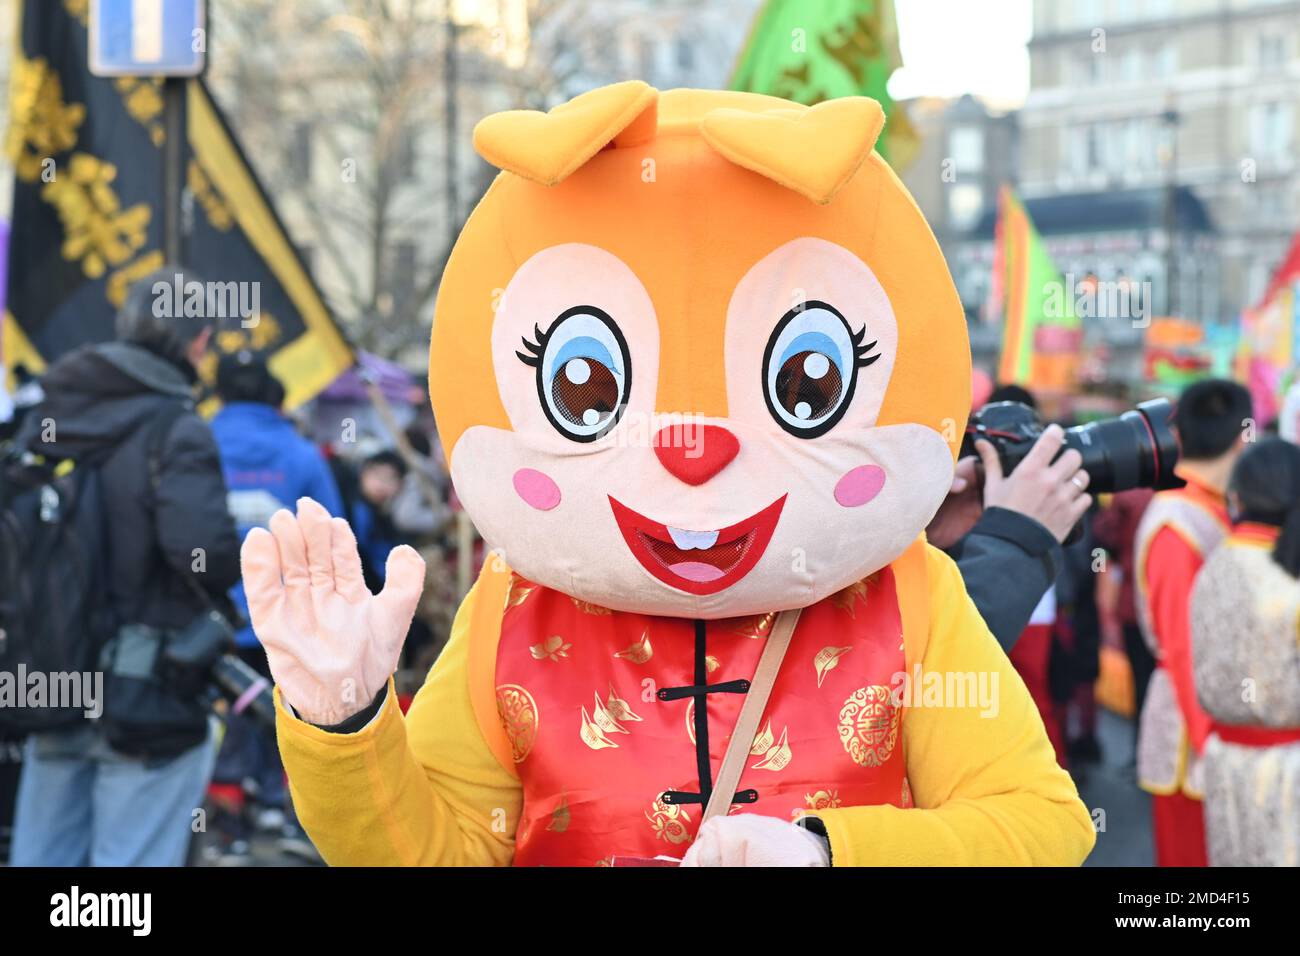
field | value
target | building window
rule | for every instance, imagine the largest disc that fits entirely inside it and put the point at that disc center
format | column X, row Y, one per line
column 1271, row 51
column 1092, row 68
column 1270, row 130
column 1138, row 154
column 1115, row 143
column 1092, row 148
column 1164, row 62
column 965, row 203
column 1074, row 150
column 685, row 55
column 1087, row 13
column 1124, row 12
column 966, row 144
column 1131, row 66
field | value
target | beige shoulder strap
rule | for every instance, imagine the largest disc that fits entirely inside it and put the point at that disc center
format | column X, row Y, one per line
column 742, row 737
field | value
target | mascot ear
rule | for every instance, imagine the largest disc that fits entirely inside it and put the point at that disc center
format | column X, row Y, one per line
column 812, row 150
column 548, row 147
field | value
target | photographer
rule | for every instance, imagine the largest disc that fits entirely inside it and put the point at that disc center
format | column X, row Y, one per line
column 122, row 790
column 1009, row 528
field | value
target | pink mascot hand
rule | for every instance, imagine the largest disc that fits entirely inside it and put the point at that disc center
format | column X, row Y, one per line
column 331, row 644
column 748, row 839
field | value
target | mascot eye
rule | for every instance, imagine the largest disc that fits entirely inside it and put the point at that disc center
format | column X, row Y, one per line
column 583, row 372
column 810, row 368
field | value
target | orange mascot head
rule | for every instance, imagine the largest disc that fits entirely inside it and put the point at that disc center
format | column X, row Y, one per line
column 697, row 353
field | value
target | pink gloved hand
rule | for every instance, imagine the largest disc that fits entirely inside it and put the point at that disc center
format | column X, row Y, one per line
column 747, row 839
column 330, row 643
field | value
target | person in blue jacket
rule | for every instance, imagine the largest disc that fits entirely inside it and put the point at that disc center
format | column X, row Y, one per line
column 267, row 466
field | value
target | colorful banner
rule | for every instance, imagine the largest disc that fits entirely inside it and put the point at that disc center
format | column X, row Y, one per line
column 814, row 50
column 1176, row 353
column 1041, row 335
column 88, row 161
column 1268, row 347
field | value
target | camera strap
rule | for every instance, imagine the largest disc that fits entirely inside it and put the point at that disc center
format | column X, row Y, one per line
column 742, row 735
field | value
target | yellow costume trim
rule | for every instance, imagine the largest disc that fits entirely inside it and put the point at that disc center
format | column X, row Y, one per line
column 1182, row 786
column 913, row 589
column 488, row 598
column 17, row 349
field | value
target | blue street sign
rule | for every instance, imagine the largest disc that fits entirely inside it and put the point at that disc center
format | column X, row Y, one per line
column 148, row 37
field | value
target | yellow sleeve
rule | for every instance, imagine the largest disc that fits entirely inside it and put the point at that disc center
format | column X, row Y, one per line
column 419, row 790
column 987, row 789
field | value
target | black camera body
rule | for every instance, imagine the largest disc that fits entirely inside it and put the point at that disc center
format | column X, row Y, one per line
column 198, row 662
column 1136, row 450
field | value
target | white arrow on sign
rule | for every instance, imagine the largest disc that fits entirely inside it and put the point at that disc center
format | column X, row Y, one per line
column 147, row 30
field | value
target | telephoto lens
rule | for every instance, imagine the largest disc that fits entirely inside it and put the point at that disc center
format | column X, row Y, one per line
column 1136, row 450
column 245, row 688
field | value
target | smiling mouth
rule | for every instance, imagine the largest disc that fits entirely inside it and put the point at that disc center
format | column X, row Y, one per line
column 698, row 562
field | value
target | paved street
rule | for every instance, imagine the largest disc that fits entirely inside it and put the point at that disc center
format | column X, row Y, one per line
column 1110, row 787
column 265, row 852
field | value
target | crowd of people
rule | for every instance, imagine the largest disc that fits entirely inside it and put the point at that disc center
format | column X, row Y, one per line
column 1197, row 586
column 1197, row 589
column 179, row 496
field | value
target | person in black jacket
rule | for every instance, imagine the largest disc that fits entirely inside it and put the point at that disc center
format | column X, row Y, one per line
column 96, row 795
column 1005, row 531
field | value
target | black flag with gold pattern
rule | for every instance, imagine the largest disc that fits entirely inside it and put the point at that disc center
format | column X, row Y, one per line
column 87, row 215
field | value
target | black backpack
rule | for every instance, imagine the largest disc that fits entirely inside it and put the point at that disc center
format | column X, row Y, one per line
column 55, row 606
column 56, row 609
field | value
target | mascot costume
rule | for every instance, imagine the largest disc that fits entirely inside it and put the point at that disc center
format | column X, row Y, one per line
column 700, row 373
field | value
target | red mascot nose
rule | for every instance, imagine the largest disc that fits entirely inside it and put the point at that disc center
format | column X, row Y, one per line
column 695, row 453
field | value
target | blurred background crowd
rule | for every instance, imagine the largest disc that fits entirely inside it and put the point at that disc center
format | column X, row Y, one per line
column 1140, row 158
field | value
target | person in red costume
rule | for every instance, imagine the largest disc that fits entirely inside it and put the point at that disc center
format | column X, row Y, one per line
column 1177, row 532
column 1115, row 529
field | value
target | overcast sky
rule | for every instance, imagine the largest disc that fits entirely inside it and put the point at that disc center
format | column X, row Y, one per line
column 952, row 47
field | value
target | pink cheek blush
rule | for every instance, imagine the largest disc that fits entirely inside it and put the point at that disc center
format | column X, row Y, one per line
column 859, row 486
column 537, row 489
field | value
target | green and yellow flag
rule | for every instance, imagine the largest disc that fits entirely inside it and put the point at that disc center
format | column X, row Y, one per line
column 813, row 50
column 1040, row 333
column 87, row 213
